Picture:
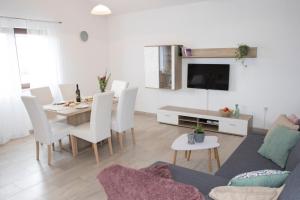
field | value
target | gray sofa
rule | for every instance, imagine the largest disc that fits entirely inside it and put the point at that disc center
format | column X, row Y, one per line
column 244, row 159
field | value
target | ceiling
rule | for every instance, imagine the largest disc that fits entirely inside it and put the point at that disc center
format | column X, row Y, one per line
column 126, row 6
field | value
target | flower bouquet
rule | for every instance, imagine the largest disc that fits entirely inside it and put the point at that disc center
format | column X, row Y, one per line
column 103, row 80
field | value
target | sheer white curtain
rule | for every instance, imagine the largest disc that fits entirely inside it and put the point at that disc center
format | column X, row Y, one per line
column 44, row 56
column 13, row 117
column 39, row 54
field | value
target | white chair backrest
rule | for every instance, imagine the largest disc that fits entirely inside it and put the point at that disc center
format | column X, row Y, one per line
column 125, row 110
column 68, row 91
column 43, row 95
column 118, row 86
column 38, row 118
column 100, row 123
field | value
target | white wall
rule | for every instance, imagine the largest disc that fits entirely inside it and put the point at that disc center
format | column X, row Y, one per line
column 271, row 80
column 82, row 62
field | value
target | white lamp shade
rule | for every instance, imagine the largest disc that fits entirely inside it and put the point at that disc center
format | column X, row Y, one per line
column 101, row 10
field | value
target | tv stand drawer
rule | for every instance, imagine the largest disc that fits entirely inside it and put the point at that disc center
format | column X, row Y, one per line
column 233, row 126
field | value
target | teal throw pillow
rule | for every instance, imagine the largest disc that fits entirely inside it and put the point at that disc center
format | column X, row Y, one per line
column 262, row 178
column 278, row 145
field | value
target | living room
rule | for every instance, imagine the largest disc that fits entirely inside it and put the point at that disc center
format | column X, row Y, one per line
column 113, row 45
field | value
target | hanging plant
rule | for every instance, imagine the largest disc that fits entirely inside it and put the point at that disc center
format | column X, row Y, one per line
column 241, row 53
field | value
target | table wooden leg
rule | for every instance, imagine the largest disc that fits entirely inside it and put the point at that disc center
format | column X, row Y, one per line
column 185, row 154
column 217, row 157
column 209, row 161
column 174, row 158
column 189, row 155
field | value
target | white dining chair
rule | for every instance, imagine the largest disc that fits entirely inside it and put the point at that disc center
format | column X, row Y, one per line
column 68, row 91
column 123, row 118
column 118, row 86
column 44, row 132
column 44, row 97
column 98, row 129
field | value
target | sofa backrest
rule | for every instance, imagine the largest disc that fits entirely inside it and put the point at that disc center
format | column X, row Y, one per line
column 291, row 190
column 294, row 158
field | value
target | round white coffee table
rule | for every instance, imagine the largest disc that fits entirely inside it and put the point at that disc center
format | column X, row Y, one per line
column 210, row 143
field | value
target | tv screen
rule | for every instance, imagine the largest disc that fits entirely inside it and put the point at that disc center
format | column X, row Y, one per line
column 208, row 76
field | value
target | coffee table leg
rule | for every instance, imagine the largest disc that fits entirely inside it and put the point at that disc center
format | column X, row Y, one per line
column 174, row 158
column 189, row 155
column 217, row 157
column 209, row 160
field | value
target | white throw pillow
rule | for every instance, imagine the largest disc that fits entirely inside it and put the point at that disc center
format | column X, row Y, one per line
column 245, row 193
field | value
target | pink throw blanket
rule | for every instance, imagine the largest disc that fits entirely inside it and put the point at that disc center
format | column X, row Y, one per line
column 121, row 183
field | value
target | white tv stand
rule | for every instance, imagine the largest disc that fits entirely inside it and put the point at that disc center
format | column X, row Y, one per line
column 210, row 120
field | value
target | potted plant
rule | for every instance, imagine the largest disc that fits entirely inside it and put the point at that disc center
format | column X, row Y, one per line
column 103, row 80
column 199, row 134
column 241, row 52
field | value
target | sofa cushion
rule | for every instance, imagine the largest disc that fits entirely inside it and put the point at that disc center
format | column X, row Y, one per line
column 263, row 178
column 245, row 158
column 294, row 157
column 204, row 182
column 278, row 145
column 282, row 120
column 249, row 193
column 291, row 190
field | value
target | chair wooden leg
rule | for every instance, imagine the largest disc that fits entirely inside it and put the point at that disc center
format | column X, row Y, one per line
column 73, row 144
column 120, row 136
column 110, row 146
column 70, row 141
column 37, row 149
column 133, row 135
column 96, row 152
column 60, row 145
column 49, row 154
column 53, row 146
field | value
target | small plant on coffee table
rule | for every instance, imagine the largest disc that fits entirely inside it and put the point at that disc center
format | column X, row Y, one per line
column 199, row 134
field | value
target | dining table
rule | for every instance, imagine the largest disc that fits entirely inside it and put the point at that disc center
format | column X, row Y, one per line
column 76, row 113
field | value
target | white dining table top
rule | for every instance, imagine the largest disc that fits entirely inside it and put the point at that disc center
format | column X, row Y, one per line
column 71, row 110
column 68, row 110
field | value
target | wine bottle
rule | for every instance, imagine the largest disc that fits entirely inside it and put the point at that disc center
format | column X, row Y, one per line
column 78, row 98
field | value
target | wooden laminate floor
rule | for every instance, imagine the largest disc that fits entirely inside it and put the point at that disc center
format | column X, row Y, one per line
column 22, row 177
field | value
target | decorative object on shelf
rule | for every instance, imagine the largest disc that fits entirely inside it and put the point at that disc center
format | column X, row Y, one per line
column 236, row 113
column 84, row 36
column 186, row 52
column 226, row 112
column 199, row 134
column 191, row 139
column 241, row 53
column 103, row 80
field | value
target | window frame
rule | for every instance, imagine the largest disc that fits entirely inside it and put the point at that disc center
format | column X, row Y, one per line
column 21, row 31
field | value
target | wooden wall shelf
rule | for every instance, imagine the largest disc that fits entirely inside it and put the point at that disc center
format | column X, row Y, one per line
column 220, row 53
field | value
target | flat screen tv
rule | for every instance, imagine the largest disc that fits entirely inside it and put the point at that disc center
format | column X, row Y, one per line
column 208, row 76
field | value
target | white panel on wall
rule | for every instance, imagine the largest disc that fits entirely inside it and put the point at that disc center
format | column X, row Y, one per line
column 151, row 56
